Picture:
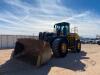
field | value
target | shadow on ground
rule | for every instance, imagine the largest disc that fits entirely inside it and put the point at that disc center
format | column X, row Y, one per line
column 72, row 61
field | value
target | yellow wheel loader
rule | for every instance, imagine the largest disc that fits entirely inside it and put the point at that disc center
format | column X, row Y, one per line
column 61, row 40
column 56, row 43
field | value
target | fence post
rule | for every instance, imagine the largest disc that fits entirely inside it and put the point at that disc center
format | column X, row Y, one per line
column 1, row 40
column 7, row 40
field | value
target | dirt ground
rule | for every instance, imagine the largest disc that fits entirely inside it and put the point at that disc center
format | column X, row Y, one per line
column 85, row 63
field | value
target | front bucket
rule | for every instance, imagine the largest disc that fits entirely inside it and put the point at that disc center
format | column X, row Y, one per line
column 38, row 52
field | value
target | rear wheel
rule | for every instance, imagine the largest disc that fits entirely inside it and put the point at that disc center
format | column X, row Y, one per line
column 77, row 46
column 60, row 47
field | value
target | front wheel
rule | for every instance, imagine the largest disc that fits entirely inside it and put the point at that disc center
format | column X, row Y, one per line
column 60, row 47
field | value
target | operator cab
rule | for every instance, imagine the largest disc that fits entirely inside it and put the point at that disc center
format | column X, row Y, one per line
column 62, row 29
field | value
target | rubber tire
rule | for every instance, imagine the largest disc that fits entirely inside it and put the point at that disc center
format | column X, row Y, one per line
column 77, row 50
column 56, row 47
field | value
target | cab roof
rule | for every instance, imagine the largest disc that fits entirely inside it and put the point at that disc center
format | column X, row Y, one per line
column 63, row 24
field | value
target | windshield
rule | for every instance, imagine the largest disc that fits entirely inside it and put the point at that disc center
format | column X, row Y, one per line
column 62, row 29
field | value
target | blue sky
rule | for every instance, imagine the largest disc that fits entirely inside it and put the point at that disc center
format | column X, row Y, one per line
column 29, row 17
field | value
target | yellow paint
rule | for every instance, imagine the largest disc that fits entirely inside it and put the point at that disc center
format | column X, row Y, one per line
column 63, row 47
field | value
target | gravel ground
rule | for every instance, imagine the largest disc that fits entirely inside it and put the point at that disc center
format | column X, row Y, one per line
column 85, row 63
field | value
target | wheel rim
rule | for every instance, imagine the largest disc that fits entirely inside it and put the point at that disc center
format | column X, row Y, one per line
column 63, row 47
column 79, row 45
